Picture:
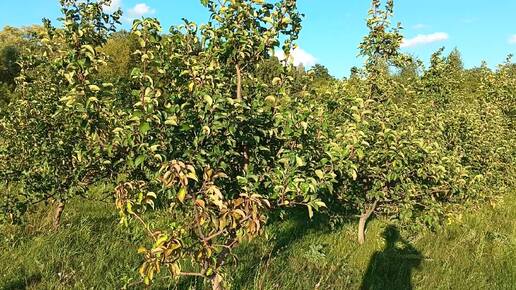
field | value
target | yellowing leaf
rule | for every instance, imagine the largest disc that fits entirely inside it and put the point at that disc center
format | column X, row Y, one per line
column 172, row 121
column 271, row 100
column 181, row 194
column 208, row 100
column 174, row 269
column 299, row 161
column 94, row 88
column 206, row 130
column 89, row 48
column 160, row 241
column 192, row 175
column 354, row 174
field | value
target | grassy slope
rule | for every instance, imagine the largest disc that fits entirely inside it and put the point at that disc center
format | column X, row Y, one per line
column 90, row 251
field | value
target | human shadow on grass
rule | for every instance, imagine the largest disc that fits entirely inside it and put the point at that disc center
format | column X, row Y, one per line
column 392, row 267
column 24, row 283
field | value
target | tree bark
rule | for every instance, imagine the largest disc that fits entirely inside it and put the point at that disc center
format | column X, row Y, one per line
column 245, row 154
column 58, row 212
column 216, row 282
column 362, row 223
column 239, row 82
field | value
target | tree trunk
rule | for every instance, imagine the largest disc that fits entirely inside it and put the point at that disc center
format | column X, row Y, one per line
column 245, row 153
column 216, row 282
column 58, row 212
column 362, row 223
column 239, row 82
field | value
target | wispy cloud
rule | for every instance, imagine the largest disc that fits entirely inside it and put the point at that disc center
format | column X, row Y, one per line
column 421, row 39
column 420, row 26
column 298, row 56
column 512, row 39
column 114, row 6
column 469, row 20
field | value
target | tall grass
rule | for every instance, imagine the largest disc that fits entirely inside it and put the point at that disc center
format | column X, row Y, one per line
column 91, row 251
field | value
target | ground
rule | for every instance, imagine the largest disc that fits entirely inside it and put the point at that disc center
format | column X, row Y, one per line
column 91, row 251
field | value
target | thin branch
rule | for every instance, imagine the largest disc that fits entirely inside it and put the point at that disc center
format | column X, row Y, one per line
column 210, row 237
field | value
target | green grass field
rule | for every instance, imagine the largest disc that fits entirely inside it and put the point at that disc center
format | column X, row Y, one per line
column 91, row 251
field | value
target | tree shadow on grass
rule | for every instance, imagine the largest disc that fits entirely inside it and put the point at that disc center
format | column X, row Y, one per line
column 392, row 267
column 255, row 256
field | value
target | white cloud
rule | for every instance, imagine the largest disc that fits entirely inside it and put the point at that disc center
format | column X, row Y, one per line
column 512, row 39
column 298, row 56
column 424, row 39
column 115, row 5
column 139, row 10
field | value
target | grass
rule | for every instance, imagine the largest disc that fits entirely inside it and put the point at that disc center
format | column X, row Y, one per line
column 91, row 251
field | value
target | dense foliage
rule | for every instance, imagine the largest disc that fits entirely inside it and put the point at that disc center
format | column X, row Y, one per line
column 204, row 133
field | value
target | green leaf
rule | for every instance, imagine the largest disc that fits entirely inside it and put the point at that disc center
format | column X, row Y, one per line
column 144, row 127
column 139, row 160
column 354, row 174
column 135, row 72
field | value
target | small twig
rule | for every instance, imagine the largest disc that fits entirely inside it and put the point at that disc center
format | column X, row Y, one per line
column 192, row 274
column 144, row 225
column 201, row 234
column 169, row 277
column 210, row 237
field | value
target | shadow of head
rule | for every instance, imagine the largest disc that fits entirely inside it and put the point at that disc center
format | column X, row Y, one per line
column 391, row 234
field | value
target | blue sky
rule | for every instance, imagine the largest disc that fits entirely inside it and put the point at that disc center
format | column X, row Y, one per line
column 332, row 29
